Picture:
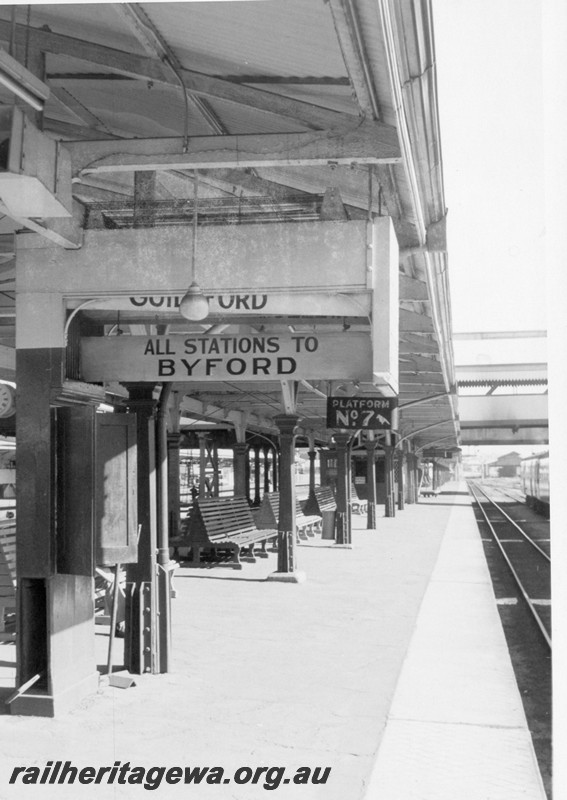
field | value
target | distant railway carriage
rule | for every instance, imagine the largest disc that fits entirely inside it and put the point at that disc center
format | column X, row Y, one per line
column 534, row 475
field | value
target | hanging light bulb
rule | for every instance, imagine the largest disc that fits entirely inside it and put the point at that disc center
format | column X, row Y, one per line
column 194, row 304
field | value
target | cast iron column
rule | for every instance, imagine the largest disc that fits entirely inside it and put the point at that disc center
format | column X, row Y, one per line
column 389, row 505
column 141, row 642
column 410, row 493
column 257, row 498
column 276, row 469
column 240, row 459
column 401, row 482
column 266, row 451
column 312, row 456
column 173, row 480
column 287, row 571
column 415, row 470
column 216, row 473
column 202, row 464
column 248, row 473
column 343, row 519
column 371, row 483
column 312, row 505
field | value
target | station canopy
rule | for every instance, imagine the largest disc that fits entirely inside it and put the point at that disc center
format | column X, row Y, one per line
column 261, row 120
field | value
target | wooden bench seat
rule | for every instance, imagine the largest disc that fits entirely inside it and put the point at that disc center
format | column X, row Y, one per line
column 357, row 505
column 223, row 525
column 269, row 510
column 7, row 575
column 325, row 499
column 307, row 524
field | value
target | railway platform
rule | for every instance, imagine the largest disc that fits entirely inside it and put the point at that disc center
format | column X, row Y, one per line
column 388, row 665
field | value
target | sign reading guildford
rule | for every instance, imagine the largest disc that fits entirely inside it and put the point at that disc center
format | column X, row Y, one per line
column 368, row 413
column 256, row 357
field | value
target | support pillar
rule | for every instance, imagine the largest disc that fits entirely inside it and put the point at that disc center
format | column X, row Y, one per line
column 312, row 456
column 343, row 530
column 215, row 463
column 202, row 464
column 389, row 504
column 371, row 481
column 257, row 497
column 276, row 469
column 173, row 483
column 266, row 452
column 54, row 561
column 434, row 475
column 248, row 476
column 240, row 460
column 415, row 474
column 287, row 567
column 165, row 567
column 141, row 650
column 311, row 505
column 400, row 475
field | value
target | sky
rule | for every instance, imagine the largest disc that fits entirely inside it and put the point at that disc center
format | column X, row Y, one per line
column 490, row 85
column 489, row 78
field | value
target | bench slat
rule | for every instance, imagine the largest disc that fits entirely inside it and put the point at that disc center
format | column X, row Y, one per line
column 222, row 523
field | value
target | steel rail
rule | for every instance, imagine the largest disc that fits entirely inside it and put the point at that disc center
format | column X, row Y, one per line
column 519, row 498
column 514, row 523
column 525, row 595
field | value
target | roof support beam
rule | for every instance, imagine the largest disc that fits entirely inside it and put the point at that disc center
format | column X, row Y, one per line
column 369, row 143
column 66, row 232
column 418, row 344
column 416, row 323
column 412, row 290
column 156, row 47
column 349, row 34
column 145, row 68
column 75, row 131
column 419, row 364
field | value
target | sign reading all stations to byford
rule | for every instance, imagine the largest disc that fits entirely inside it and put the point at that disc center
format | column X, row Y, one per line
column 254, row 357
column 368, row 413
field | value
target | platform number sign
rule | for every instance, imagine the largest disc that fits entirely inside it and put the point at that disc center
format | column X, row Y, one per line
column 365, row 413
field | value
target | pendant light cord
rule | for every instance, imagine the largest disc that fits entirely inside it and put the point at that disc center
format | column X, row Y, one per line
column 195, row 220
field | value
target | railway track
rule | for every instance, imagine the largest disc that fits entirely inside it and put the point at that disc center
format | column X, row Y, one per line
column 514, row 494
column 525, row 553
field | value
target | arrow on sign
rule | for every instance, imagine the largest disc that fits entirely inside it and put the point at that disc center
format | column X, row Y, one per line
column 383, row 420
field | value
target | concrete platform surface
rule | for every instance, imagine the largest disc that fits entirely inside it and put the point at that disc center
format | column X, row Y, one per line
column 369, row 668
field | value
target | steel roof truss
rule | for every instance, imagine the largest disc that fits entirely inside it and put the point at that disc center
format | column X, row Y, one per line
column 369, row 143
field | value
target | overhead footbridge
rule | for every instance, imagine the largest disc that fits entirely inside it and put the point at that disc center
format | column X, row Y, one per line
column 503, row 403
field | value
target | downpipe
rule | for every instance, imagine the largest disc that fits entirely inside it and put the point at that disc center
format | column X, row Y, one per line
column 165, row 566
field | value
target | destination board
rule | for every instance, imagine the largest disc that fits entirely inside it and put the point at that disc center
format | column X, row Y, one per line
column 258, row 303
column 366, row 413
column 253, row 357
